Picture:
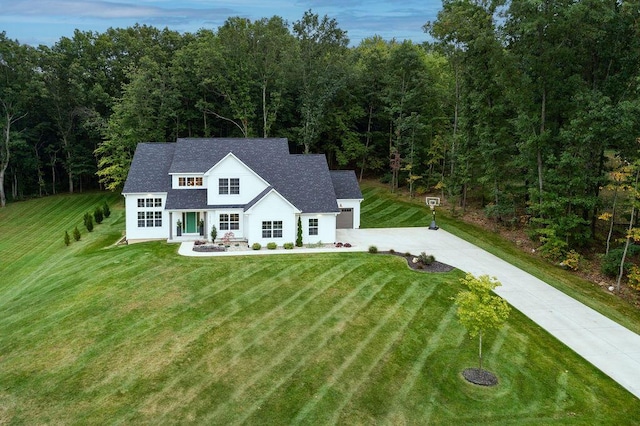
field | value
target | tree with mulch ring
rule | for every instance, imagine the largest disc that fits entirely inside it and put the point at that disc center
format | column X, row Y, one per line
column 479, row 310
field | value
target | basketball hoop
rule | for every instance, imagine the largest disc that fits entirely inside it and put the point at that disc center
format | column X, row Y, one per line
column 433, row 202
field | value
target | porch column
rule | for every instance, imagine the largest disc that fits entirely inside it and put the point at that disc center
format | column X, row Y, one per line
column 170, row 225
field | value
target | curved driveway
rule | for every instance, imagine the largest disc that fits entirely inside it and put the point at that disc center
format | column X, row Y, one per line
column 609, row 346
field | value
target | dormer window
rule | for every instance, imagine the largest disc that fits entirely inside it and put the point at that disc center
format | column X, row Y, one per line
column 228, row 186
column 189, row 181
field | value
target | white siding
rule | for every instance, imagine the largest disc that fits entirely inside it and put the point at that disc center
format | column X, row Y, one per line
column 271, row 208
column 352, row 204
column 230, row 167
column 133, row 232
column 326, row 228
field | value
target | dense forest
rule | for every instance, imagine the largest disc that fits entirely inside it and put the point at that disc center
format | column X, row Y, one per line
column 529, row 108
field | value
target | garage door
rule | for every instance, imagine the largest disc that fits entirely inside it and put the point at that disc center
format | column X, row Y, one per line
column 345, row 219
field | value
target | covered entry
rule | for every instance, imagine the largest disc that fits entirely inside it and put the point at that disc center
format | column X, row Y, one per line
column 345, row 219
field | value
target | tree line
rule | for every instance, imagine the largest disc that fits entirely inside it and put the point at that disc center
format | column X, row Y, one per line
column 522, row 106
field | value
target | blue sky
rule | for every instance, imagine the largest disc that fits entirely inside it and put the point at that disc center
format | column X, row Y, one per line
column 46, row 21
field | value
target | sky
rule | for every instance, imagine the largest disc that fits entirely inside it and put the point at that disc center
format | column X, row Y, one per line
column 38, row 22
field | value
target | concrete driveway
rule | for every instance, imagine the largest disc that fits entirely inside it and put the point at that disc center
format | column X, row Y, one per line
column 610, row 347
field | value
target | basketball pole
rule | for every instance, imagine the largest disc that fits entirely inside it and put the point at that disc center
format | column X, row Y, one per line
column 433, row 225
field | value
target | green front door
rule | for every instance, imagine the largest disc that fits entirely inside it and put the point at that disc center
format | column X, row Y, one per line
column 190, row 223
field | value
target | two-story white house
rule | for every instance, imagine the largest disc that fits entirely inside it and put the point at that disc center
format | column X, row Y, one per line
column 253, row 188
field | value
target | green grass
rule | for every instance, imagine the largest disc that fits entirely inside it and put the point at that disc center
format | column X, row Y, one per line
column 399, row 210
column 94, row 333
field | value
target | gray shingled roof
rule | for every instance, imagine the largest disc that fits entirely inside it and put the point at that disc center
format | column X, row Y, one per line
column 149, row 168
column 345, row 184
column 192, row 199
column 304, row 180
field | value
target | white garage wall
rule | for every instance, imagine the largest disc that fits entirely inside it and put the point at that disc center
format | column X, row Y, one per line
column 352, row 204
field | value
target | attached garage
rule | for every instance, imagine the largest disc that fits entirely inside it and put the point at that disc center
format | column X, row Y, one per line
column 345, row 219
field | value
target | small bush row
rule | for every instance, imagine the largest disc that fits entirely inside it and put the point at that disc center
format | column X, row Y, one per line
column 99, row 214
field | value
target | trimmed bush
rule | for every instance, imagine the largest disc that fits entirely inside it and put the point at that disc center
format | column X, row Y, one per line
column 105, row 210
column 88, row 222
column 76, row 234
column 256, row 246
column 299, row 235
column 288, row 246
column 214, row 233
column 97, row 215
column 272, row 246
column 67, row 239
column 373, row 249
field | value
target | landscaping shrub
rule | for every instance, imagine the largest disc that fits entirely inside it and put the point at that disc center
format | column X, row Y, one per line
column 373, row 249
column 214, row 233
column 288, row 246
column 105, row 210
column 299, row 235
column 76, row 234
column 97, row 215
column 88, row 222
column 272, row 246
column 347, row 245
column 256, row 246
column 426, row 259
column 67, row 240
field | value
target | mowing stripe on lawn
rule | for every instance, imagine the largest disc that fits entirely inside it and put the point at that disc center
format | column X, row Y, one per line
column 376, row 281
column 390, row 342
column 131, row 332
column 418, row 366
column 337, row 375
column 212, row 320
column 331, row 277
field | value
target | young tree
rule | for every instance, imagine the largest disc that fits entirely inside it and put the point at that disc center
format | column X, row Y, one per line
column 106, row 210
column 76, row 234
column 67, row 239
column 479, row 310
column 98, row 215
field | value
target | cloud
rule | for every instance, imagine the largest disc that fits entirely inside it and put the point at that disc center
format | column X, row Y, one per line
column 108, row 10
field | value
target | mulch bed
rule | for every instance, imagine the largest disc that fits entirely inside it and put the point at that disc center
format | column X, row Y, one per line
column 208, row 248
column 434, row 267
column 480, row 377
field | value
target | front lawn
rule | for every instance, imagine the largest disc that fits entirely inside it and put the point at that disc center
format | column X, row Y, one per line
column 95, row 334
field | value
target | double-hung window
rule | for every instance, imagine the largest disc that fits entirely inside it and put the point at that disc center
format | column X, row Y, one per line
column 228, row 186
column 229, row 222
column 313, row 226
column 149, row 218
column 272, row 229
